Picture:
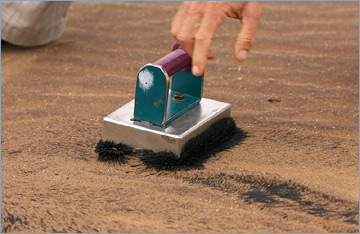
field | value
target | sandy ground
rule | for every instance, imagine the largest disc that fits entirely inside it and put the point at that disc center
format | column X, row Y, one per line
column 295, row 169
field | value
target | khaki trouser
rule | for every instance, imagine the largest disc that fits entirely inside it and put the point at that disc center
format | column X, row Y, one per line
column 32, row 23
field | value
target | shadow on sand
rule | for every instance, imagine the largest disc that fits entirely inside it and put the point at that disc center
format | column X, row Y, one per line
column 221, row 136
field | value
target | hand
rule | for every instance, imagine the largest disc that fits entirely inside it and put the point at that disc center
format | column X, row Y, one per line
column 195, row 24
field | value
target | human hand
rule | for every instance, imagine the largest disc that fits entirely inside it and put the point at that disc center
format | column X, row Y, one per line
column 195, row 24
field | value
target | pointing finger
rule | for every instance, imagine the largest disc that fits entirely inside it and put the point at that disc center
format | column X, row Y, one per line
column 246, row 37
column 190, row 24
column 212, row 19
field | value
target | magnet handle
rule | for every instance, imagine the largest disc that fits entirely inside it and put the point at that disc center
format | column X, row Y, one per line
column 175, row 61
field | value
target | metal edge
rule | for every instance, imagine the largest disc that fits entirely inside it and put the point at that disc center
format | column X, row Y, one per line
column 228, row 106
column 206, row 120
column 202, row 85
column 206, row 123
column 167, row 87
column 140, row 128
column 194, row 104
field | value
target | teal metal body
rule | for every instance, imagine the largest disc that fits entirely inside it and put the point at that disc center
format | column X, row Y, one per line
column 154, row 97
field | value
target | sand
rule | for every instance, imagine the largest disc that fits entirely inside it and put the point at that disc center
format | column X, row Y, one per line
column 295, row 99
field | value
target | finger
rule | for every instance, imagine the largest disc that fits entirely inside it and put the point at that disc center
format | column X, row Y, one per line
column 246, row 37
column 210, row 54
column 190, row 24
column 179, row 18
column 213, row 18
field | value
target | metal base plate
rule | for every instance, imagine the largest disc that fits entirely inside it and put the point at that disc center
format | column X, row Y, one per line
column 119, row 127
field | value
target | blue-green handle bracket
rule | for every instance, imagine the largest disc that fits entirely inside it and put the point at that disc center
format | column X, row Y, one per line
column 160, row 98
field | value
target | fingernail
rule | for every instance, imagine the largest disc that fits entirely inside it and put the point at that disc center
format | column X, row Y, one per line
column 242, row 55
column 196, row 70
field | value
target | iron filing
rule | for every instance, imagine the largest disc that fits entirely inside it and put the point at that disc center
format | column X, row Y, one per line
column 168, row 109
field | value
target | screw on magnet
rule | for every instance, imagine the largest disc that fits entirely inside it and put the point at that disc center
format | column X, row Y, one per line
column 178, row 97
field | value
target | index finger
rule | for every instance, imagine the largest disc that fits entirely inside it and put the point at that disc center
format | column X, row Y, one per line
column 179, row 17
column 211, row 21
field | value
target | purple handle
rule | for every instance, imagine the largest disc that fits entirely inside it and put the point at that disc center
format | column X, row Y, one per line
column 177, row 60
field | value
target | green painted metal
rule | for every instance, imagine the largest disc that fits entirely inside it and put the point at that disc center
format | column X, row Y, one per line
column 154, row 101
column 150, row 95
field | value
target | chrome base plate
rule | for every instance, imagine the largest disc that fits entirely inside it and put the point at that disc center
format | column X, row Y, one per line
column 119, row 127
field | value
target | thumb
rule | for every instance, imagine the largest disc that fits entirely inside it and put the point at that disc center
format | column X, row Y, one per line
column 246, row 37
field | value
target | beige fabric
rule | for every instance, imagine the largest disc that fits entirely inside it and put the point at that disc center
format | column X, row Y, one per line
column 32, row 23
